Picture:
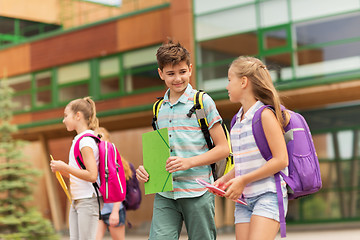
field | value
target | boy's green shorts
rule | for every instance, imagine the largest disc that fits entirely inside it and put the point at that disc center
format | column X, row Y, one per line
column 197, row 214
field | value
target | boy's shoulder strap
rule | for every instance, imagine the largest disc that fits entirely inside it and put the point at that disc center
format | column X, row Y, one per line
column 199, row 110
column 156, row 108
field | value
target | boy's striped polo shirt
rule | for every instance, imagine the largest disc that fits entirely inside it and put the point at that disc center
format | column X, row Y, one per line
column 187, row 140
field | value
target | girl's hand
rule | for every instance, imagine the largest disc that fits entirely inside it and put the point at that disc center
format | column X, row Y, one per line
column 220, row 183
column 57, row 165
column 174, row 164
column 141, row 174
column 235, row 187
column 114, row 219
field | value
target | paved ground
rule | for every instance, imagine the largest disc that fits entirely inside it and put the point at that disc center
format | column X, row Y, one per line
column 342, row 234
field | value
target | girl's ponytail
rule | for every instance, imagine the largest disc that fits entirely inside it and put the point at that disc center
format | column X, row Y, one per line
column 93, row 120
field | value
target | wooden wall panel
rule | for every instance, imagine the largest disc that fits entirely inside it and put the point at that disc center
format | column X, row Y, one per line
column 129, row 101
column 74, row 46
column 15, row 60
column 34, row 10
column 143, row 30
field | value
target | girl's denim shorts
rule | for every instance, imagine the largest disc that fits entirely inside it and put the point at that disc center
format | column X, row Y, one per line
column 122, row 216
column 265, row 205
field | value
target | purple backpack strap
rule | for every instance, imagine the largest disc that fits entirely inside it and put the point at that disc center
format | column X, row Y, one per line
column 233, row 121
column 259, row 134
column 77, row 153
column 262, row 144
column 281, row 205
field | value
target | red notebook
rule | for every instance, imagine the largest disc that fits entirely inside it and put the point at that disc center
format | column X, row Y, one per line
column 217, row 190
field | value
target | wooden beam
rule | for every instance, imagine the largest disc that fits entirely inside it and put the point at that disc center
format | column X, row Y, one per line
column 51, row 189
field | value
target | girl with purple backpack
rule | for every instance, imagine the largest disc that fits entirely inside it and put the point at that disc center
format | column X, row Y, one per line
column 251, row 86
column 80, row 116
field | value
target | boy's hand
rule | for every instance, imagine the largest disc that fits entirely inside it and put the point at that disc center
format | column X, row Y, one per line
column 141, row 174
column 174, row 164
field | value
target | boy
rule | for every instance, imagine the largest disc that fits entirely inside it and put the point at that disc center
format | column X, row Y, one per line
column 189, row 158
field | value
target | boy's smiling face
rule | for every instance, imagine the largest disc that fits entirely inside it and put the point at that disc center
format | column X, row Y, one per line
column 176, row 77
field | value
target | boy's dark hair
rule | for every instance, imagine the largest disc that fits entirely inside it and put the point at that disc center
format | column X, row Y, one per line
column 171, row 53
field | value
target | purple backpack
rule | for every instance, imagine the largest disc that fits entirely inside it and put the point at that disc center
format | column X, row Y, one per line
column 111, row 170
column 304, row 171
column 133, row 193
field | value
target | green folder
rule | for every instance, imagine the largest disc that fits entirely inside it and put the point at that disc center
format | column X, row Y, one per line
column 156, row 151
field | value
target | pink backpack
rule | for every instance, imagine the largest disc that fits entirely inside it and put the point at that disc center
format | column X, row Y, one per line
column 111, row 170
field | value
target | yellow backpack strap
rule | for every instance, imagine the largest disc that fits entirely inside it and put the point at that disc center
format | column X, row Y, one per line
column 230, row 159
column 199, row 110
column 156, row 108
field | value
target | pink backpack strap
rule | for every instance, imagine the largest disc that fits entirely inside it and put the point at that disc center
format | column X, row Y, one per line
column 80, row 163
column 77, row 153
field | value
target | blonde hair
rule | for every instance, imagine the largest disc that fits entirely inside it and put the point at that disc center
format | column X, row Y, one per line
column 87, row 107
column 104, row 134
column 262, row 84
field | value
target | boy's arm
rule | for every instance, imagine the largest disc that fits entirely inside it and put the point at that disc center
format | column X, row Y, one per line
column 220, row 151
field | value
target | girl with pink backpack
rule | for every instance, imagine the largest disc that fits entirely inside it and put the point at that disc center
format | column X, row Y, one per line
column 80, row 116
column 113, row 215
column 251, row 86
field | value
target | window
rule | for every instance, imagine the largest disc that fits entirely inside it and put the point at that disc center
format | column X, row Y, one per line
column 267, row 10
column 330, row 59
column 280, row 66
column 204, row 6
column 140, row 70
column 227, row 22
column 323, row 51
column 306, row 9
column 73, row 81
column 109, row 70
column 43, row 88
column 6, row 25
column 328, row 30
column 22, row 88
column 277, row 52
column 217, row 54
column 275, row 39
column 115, row 3
column 336, row 133
column 14, row 30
